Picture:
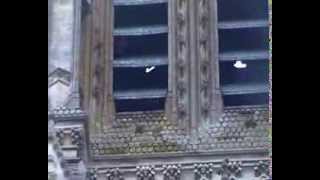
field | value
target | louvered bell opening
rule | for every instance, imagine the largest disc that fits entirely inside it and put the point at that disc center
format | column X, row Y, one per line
column 244, row 86
column 243, row 51
column 141, row 15
column 140, row 79
column 140, row 88
column 243, row 40
column 240, row 10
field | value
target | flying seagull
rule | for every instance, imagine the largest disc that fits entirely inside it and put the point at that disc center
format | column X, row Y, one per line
column 149, row 69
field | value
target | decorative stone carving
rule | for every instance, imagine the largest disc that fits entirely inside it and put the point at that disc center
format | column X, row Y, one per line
column 70, row 140
column 204, row 58
column 64, row 113
column 203, row 171
column 172, row 172
column 205, row 108
column 60, row 136
column 114, row 174
column 74, row 133
column 181, row 88
column 145, row 172
column 262, row 170
column 181, row 110
column 181, row 13
column 182, row 59
column 76, row 137
column 92, row 174
column 230, row 170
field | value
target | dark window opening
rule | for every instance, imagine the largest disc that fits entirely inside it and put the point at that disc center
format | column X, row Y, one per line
column 141, row 15
column 140, row 74
column 138, row 78
column 255, row 72
column 128, row 46
column 235, row 10
column 254, row 39
column 244, row 51
column 246, row 99
column 147, row 45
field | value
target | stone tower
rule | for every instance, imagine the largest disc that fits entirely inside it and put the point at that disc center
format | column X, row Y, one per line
column 159, row 89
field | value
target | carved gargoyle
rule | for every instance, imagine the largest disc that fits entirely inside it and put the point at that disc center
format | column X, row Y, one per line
column 230, row 170
column 262, row 169
column 172, row 172
column 203, row 171
column 92, row 174
column 114, row 174
column 145, row 173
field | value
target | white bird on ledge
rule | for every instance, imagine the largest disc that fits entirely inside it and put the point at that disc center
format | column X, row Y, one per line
column 240, row 65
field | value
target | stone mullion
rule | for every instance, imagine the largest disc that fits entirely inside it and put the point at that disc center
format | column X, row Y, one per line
column 207, row 54
column 216, row 95
column 171, row 96
column 203, row 56
column 181, row 61
column 194, row 65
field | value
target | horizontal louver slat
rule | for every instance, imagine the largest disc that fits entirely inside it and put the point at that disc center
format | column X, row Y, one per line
column 238, row 89
column 141, row 61
column 140, row 94
column 244, row 55
column 136, row 2
column 243, row 24
column 142, row 30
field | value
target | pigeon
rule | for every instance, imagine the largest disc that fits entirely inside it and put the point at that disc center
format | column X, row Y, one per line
column 239, row 65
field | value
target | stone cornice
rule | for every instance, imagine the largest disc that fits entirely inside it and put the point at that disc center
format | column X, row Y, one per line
column 178, row 156
column 158, row 167
column 67, row 114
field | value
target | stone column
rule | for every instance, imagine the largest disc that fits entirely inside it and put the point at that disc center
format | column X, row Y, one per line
column 179, row 62
column 101, row 108
column 216, row 94
column 210, row 100
column 193, row 62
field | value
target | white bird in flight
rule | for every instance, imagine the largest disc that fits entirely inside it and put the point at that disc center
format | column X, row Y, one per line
column 149, row 69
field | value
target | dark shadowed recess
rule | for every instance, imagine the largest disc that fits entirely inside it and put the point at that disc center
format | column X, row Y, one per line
column 140, row 42
column 235, row 10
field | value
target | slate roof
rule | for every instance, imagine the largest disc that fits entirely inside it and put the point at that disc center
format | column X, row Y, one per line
column 244, row 127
